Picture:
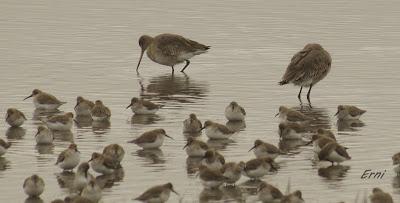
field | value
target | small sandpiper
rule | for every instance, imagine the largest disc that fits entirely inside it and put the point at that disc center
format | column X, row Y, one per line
column 195, row 148
column 192, row 124
column 100, row 112
column 291, row 115
column 102, row 164
column 232, row 171
column 269, row 193
column 234, row 112
column 82, row 177
column 259, row 167
column 60, row 122
column 347, row 112
column 295, row 197
column 33, row 186
column 213, row 160
column 291, row 131
column 43, row 136
column 396, row 163
column 45, row 101
column 211, row 178
column 14, row 117
column 4, row 146
column 69, row 158
column 379, row 196
column 151, row 139
column 92, row 191
column 307, row 67
column 170, row 49
column 83, row 107
column 115, row 152
column 319, row 141
column 143, row 107
column 264, row 149
column 216, row 130
column 333, row 152
column 159, row 193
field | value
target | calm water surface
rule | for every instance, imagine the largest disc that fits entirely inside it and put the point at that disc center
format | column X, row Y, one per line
column 89, row 48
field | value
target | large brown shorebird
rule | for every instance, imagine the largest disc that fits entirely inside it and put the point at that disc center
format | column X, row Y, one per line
column 307, row 67
column 170, row 49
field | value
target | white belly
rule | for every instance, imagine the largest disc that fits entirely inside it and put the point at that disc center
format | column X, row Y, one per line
column 335, row 157
column 70, row 162
column 214, row 133
column 100, row 168
column 257, row 173
column 195, row 151
column 2, row 151
column 159, row 141
column 59, row 126
column 17, row 123
column 45, row 106
column 142, row 110
column 33, row 190
column 235, row 115
column 44, row 139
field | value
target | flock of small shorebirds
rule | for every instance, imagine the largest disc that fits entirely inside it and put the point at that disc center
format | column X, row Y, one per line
column 307, row 67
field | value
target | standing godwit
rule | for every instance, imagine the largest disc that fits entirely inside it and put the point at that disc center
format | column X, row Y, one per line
column 307, row 67
column 170, row 49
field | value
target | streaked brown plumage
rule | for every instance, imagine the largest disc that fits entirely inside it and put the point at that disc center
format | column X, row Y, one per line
column 333, row 152
column 151, row 139
column 327, row 133
column 256, row 168
column 379, row 196
column 83, row 106
column 159, row 193
column 43, row 100
column 14, row 117
column 100, row 112
column 195, row 148
column 292, row 115
column 141, row 106
column 295, row 197
column 170, row 49
column 348, row 112
column 269, row 193
column 192, row 124
column 232, row 171
column 307, row 67
column 115, row 151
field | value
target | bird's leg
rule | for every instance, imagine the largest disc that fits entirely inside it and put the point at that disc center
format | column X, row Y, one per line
column 172, row 69
column 299, row 95
column 187, row 64
column 308, row 94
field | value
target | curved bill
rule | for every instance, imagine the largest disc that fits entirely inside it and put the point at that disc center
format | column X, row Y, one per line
column 187, row 144
column 336, row 113
column 129, row 106
column 168, row 136
column 175, row 192
column 28, row 97
column 252, row 148
column 276, row 114
column 140, row 59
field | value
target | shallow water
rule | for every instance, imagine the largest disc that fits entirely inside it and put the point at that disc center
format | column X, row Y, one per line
column 71, row 48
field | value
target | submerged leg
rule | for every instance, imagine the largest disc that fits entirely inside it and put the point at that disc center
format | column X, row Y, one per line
column 172, row 69
column 299, row 95
column 187, row 64
column 308, row 94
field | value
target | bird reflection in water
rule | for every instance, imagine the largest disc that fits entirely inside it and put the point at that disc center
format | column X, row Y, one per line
column 145, row 119
column 4, row 164
column 208, row 195
column 232, row 193
column 153, row 156
column 15, row 133
column 175, row 88
column 192, row 165
column 65, row 179
column 251, row 186
column 101, row 127
column 83, row 121
column 34, row 200
column 349, row 125
column 220, row 144
column 107, row 181
column 236, row 126
column 335, row 172
column 321, row 118
column 291, row 145
column 45, row 149
column 63, row 135
column 38, row 114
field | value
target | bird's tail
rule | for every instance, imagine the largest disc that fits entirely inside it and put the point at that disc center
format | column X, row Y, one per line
column 283, row 82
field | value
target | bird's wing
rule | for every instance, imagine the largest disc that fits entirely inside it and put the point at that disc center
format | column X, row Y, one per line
column 242, row 110
column 326, row 150
column 354, row 111
column 272, row 149
column 150, row 105
column 45, row 98
column 25, row 182
column 293, row 70
column 146, row 137
column 153, row 192
column 61, row 157
column 203, row 145
column 224, row 129
column 296, row 116
column 275, row 192
column 58, row 119
column 342, row 151
column 252, row 164
column 175, row 45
